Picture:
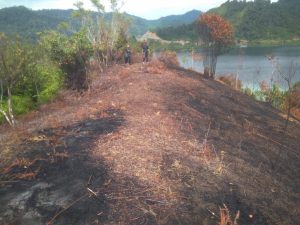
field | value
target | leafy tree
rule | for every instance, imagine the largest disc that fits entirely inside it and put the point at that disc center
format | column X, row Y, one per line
column 217, row 36
column 14, row 61
column 27, row 78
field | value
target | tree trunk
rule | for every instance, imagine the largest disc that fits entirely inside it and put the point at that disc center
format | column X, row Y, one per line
column 1, row 101
column 10, row 107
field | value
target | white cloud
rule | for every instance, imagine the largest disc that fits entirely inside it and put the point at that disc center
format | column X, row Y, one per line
column 149, row 9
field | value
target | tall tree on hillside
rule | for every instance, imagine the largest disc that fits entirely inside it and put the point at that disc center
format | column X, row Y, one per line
column 14, row 61
column 216, row 34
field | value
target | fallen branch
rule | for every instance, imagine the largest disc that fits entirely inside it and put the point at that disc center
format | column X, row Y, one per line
column 151, row 201
column 91, row 191
column 9, row 181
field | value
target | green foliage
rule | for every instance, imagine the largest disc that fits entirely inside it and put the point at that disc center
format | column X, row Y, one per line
column 22, row 104
column 252, row 20
column 71, row 54
column 183, row 32
column 26, row 23
column 50, row 81
column 158, row 46
column 15, row 59
column 248, row 91
column 262, row 19
column 121, row 40
column 275, row 96
column 28, row 78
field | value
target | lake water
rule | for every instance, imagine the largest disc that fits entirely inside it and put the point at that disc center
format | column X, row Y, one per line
column 251, row 64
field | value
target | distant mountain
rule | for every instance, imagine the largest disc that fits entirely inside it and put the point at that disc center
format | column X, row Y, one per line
column 183, row 32
column 177, row 20
column 26, row 22
column 141, row 26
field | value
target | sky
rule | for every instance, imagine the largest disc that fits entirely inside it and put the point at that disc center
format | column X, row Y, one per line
column 148, row 9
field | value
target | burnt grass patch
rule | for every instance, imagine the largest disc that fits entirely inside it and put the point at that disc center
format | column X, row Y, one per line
column 56, row 173
column 203, row 194
column 260, row 162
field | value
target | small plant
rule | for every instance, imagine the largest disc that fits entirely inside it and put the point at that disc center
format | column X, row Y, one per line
column 287, row 77
column 210, row 156
column 225, row 217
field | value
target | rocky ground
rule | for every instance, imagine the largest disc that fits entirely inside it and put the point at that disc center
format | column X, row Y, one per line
column 151, row 145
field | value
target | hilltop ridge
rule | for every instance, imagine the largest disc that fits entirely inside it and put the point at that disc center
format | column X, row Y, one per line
column 150, row 145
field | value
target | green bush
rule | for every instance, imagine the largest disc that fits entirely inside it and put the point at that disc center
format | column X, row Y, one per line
column 275, row 96
column 27, row 76
column 248, row 91
column 22, row 104
column 51, row 79
column 71, row 54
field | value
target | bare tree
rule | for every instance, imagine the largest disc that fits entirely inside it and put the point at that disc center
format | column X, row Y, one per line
column 103, row 32
column 287, row 77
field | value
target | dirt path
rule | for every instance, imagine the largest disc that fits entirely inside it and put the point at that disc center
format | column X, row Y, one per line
column 149, row 145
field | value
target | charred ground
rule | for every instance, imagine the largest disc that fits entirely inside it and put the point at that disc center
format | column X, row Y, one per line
column 150, row 145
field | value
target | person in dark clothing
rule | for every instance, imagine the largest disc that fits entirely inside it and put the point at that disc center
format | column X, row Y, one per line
column 127, row 55
column 145, row 51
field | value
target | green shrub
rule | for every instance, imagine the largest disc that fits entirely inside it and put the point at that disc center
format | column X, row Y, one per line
column 248, row 91
column 22, row 104
column 71, row 54
column 275, row 96
column 27, row 76
column 51, row 79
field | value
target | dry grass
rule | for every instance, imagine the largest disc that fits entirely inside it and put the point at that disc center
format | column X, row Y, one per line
column 157, row 67
column 169, row 58
column 231, row 81
column 19, row 163
column 296, row 112
column 19, row 170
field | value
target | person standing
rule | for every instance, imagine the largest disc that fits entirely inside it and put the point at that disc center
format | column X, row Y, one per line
column 127, row 55
column 145, row 52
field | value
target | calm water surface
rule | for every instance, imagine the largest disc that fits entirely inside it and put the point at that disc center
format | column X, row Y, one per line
column 251, row 64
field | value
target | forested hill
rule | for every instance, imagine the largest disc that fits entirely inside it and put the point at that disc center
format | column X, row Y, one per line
column 262, row 19
column 26, row 22
column 259, row 19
